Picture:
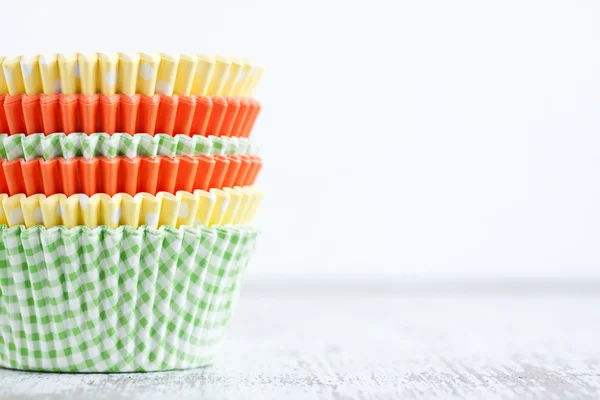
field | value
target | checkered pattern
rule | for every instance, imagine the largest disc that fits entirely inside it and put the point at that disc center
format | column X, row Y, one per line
column 235, row 254
column 97, row 300
column 119, row 144
column 222, row 145
column 11, row 147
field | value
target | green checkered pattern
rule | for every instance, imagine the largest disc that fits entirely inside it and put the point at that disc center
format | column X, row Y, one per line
column 120, row 144
column 118, row 300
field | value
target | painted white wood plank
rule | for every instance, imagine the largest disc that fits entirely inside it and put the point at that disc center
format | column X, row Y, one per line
column 369, row 347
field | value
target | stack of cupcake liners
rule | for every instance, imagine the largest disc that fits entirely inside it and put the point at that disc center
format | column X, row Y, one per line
column 127, row 191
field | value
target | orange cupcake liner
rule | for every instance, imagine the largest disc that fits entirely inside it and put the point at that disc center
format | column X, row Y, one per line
column 189, row 115
column 127, row 175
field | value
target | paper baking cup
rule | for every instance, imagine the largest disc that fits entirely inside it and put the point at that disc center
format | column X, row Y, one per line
column 120, row 73
column 200, row 208
column 189, row 115
column 74, row 145
column 118, row 300
column 126, row 175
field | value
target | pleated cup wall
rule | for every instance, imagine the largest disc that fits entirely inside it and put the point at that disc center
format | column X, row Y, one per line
column 58, row 145
column 189, row 115
column 201, row 208
column 146, row 73
column 127, row 175
column 117, row 300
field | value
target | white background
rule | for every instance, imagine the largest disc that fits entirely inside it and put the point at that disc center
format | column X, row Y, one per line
column 412, row 138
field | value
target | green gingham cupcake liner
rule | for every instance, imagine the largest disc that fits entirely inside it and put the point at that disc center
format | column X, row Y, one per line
column 118, row 300
column 119, row 144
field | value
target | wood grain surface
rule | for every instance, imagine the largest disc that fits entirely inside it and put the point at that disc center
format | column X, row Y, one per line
column 368, row 346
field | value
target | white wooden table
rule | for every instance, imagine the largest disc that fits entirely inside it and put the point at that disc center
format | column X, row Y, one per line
column 365, row 346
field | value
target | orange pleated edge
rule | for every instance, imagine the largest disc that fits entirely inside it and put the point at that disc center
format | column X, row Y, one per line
column 189, row 115
column 127, row 175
